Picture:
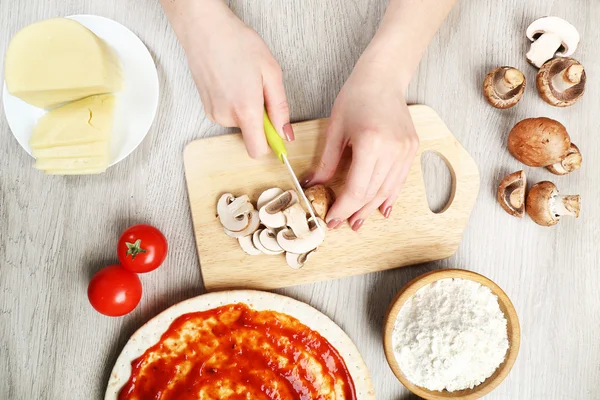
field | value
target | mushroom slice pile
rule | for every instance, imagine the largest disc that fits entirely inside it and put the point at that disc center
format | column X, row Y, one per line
column 545, row 206
column 279, row 225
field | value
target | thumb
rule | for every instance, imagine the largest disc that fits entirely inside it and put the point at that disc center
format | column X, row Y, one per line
column 330, row 158
column 277, row 105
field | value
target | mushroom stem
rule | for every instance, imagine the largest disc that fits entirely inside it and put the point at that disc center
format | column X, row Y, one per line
column 567, row 78
column 517, row 197
column 544, row 48
column 512, row 79
column 565, row 205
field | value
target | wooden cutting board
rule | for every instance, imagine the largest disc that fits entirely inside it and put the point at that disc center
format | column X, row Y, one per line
column 413, row 234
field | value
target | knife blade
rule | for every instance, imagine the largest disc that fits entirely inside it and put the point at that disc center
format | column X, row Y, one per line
column 278, row 146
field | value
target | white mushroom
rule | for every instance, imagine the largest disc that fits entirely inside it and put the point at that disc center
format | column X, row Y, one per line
column 271, row 214
column 233, row 219
column 297, row 261
column 269, row 241
column 551, row 36
column 295, row 217
column 251, row 227
column 267, row 196
column 240, row 206
column 290, row 243
column 247, row 245
column 256, row 242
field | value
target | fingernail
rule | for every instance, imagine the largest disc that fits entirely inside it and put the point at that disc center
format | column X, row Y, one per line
column 288, row 132
column 306, row 180
column 357, row 224
column 387, row 211
column 334, row 223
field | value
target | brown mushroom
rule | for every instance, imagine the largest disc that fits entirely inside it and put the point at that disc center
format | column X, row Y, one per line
column 545, row 206
column 503, row 87
column 539, row 142
column 561, row 81
column 571, row 162
column 321, row 197
column 511, row 193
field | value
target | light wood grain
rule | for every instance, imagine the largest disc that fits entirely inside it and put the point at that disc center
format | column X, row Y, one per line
column 56, row 232
column 412, row 235
column 512, row 327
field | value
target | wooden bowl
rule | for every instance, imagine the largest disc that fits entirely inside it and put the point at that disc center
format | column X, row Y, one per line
column 507, row 308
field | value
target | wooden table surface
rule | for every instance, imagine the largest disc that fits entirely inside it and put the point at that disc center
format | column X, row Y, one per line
column 56, row 232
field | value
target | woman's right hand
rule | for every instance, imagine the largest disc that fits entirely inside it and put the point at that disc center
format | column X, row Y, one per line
column 236, row 74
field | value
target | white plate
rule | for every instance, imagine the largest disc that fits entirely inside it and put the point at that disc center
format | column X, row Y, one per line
column 135, row 105
column 150, row 333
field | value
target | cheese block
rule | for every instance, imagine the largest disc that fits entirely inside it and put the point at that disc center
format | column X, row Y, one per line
column 84, row 121
column 93, row 149
column 59, row 60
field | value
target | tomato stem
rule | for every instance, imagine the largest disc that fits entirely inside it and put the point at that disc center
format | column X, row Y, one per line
column 133, row 249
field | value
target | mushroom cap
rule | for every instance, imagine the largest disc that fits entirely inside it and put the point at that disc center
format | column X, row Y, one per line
column 321, row 197
column 267, row 196
column 297, row 261
column 247, row 245
column 547, row 89
column 232, row 218
column 514, row 81
column 271, row 214
column 251, row 227
column 539, row 142
column 545, row 206
column 290, row 243
column 257, row 243
column 511, row 194
column 571, row 162
column 558, row 26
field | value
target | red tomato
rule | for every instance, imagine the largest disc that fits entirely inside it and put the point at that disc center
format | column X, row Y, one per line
column 114, row 291
column 142, row 248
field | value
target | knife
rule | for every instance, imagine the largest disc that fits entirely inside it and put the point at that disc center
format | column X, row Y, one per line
column 278, row 146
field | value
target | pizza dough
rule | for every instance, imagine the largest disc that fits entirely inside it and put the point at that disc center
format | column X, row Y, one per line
column 150, row 333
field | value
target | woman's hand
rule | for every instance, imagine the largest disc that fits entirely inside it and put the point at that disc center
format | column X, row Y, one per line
column 234, row 70
column 371, row 116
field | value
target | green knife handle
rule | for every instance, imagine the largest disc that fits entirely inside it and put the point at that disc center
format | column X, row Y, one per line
column 275, row 141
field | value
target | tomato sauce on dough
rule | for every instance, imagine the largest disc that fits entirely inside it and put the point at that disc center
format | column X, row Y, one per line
column 234, row 352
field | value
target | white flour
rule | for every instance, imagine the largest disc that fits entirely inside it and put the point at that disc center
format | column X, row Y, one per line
column 450, row 335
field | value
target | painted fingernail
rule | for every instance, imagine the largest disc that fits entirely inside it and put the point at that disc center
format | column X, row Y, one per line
column 334, row 223
column 306, row 180
column 387, row 211
column 357, row 224
column 288, row 132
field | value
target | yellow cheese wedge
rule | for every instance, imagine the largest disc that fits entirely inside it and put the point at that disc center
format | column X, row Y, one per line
column 84, row 121
column 71, row 164
column 59, row 60
column 93, row 149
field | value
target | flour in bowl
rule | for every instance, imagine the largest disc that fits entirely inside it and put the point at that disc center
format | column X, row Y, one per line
column 450, row 335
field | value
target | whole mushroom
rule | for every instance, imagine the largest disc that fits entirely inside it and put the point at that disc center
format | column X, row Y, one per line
column 561, row 81
column 551, row 36
column 503, row 87
column 539, row 142
column 321, row 197
column 511, row 194
column 571, row 162
column 545, row 206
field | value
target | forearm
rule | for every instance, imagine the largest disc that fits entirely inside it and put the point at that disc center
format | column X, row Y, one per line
column 405, row 31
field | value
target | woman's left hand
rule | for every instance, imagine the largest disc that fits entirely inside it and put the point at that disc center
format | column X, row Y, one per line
column 371, row 116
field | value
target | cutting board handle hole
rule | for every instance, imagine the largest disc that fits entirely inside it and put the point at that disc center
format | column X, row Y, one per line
column 438, row 181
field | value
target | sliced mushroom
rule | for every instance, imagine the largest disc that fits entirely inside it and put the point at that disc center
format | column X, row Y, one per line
column 289, row 242
column 247, row 245
column 240, row 206
column 269, row 241
column 321, row 197
column 297, row 261
column 267, row 196
column 257, row 243
column 539, row 142
column 571, row 162
column 545, row 206
column 271, row 214
column 561, row 81
column 511, row 194
column 251, row 227
column 551, row 36
column 295, row 217
column 503, row 87
column 233, row 219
